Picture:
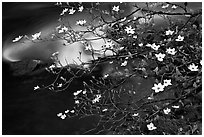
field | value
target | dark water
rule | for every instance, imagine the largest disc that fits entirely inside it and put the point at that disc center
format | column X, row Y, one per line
column 29, row 112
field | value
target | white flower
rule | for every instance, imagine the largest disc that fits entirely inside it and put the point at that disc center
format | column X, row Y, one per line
column 66, row 111
column 71, row 11
column 174, row 7
column 97, row 99
column 180, row 38
column 77, row 92
column 165, row 6
column 59, row 114
column 151, row 126
column 36, row 36
column 76, row 101
column 37, row 87
column 193, row 67
column 116, row 8
column 124, row 63
column 141, row 44
column 167, row 111
column 154, row 46
column 63, row 116
column 106, row 75
column 169, row 32
column 17, row 39
column 149, row 45
column 72, row 111
column 201, row 62
column 81, row 22
column 84, row 92
column 171, row 51
column 81, row 8
column 160, row 56
column 64, row 29
column 158, row 87
column 175, row 106
column 104, row 109
column 130, row 30
column 134, row 37
column 60, row 85
column 135, row 114
column 63, row 11
column 167, row 82
column 109, row 44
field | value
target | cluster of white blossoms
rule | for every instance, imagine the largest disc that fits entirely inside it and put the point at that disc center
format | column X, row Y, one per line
column 71, row 11
column 64, row 115
column 81, row 22
column 160, row 87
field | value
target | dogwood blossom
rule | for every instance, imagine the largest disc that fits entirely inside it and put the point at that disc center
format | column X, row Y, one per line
column 116, row 8
column 77, row 92
column 76, row 101
column 130, row 30
column 37, row 87
column 149, row 45
column 141, row 44
column 193, row 67
column 180, row 38
column 175, row 106
column 124, row 63
column 63, row 29
column 63, row 116
column 71, row 11
column 167, row 111
column 158, row 87
column 154, row 46
column 72, row 111
column 174, row 7
column 169, row 32
column 36, row 36
column 97, row 99
column 167, row 82
column 17, row 39
column 160, row 56
column 60, row 85
column 151, row 126
column 171, row 51
column 201, row 62
column 64, row 11
column 81, row 22
column 109, row 44
column 165, row 6
column 104, row 109
column 81, row 8
column 135, row 114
